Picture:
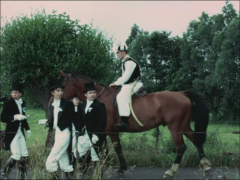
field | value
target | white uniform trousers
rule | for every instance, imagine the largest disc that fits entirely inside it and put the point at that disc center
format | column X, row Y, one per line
column 18, row 146
column 85, row 146
column 59, row 152
column 123, row 98
column 74, row 144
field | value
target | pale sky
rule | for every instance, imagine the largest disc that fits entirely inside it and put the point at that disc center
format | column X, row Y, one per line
column 117, row 17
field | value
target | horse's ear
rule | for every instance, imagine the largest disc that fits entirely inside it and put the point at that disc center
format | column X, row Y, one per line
column 62, row 73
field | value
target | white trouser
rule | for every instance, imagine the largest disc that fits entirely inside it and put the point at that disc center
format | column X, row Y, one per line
column 59, row 152
column 18, row 146
column 74, row 143
column 85, row 146
column 123, row 98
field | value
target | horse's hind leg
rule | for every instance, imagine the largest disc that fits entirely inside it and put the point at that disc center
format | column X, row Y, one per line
column 118, row 148
column 203, row 160
column 180, row 148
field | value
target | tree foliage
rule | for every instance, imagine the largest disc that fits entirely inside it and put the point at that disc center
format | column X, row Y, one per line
column 34, row 49
column 205, row 59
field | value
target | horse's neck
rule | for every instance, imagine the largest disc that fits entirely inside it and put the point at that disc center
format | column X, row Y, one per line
column 109, row 94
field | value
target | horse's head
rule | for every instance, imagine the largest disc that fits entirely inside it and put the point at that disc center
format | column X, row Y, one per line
column 72, row 88
column 64, row 77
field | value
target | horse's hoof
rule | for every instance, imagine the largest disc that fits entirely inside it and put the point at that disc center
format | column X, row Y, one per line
column 169, row 175
column 120, row 175
column 121, row 171
column 206, row 165
column 206, row 170
column 166, row 176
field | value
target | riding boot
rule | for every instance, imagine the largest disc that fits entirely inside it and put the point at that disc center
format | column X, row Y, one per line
column 69, row 175
column 23, row 167
column 9, row 165
column 123, row 123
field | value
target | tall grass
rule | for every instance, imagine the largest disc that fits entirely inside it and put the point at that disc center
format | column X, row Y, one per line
column 221, row 148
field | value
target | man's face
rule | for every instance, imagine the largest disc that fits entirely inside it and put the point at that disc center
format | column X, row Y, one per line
column 16, row 95
column 76, row 101
column 91, row 95
column 120, row 55
column 57, row 93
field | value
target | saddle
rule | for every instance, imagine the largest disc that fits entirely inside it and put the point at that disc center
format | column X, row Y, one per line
column 140, row 93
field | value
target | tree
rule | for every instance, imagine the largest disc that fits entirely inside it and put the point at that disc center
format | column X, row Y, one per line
column 229, row 13
column 228, row 71
column 34, row 49
column 188, row 71
column 135, row 31
column 164, row 59
column 202, row 54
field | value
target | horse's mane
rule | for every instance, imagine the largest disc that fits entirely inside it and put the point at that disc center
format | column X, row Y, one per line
column 74, row 75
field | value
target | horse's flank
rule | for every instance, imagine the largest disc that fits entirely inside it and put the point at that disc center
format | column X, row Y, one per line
column 152, row 110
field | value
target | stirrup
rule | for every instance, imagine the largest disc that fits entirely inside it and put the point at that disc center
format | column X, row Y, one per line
column 121, row 124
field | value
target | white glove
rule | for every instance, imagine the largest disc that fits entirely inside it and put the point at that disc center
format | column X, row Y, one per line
column 42, row 121
column 94, row 139
column 19, row 117
column 29, row 134
column 81, row 141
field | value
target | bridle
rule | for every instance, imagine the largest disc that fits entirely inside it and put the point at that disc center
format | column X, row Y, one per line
column 103, row 89
column 66, row 79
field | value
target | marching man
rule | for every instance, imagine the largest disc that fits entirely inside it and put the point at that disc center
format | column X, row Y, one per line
column 130, row 73
column 62, row 117
column 92, row 127
column 13, row 114
column 75, row 133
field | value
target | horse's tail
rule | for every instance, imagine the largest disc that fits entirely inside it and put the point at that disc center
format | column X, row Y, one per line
column 200, row 116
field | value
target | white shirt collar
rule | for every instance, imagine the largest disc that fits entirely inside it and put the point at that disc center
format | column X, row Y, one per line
column 20, row 101
column 56, row 103
column 89, row 102
column 88, row 105
column 125, row 58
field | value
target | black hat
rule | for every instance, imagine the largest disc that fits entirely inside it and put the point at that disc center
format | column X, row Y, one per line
column 57, row 83
column 89, row 87
column 122, row 48
column 16, row 86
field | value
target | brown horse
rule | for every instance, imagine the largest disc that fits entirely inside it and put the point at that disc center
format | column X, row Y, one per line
column 173, row 109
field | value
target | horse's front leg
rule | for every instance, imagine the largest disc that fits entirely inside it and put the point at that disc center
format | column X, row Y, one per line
column 118, row 148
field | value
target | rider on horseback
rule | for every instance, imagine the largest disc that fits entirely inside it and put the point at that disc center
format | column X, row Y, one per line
column 130, row 73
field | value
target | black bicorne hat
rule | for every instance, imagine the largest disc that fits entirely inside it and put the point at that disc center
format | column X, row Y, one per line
column 89, row 87
column 57, row 83
column 16, row 86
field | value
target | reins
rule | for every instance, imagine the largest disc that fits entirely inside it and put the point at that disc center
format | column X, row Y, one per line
column 103, row 89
